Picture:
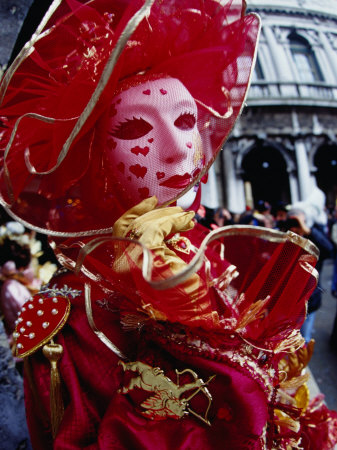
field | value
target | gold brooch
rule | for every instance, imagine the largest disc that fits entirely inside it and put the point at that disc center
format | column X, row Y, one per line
column 133, row 234
column 179, row 243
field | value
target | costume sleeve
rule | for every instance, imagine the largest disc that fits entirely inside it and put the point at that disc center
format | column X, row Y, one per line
column 322, row 241
column 334, row 233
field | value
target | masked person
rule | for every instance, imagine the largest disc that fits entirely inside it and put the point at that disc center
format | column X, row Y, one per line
column 159, row 333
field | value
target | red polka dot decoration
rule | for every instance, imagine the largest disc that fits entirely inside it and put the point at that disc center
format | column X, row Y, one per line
column 40, row 319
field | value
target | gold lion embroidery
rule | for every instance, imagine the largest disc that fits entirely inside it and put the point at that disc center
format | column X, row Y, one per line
column 166, row 401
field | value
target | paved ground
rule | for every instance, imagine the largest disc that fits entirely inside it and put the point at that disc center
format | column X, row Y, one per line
column 12, row 14
column 324, row 362
column 13, row 427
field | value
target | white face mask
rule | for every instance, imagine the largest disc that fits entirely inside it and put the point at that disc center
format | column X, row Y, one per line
column 154, row 146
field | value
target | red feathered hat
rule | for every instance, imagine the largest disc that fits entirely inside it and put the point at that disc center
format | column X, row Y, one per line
column 58, row 93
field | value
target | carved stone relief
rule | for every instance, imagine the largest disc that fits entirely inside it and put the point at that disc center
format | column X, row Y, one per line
column 333, row 40
column 282, row 34
column 259, row 121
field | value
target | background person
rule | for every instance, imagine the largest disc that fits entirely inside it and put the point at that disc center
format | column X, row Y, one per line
column 297, row 223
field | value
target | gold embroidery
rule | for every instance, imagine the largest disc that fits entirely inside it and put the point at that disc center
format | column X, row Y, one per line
column 224, row 280
column 252, row 312
column 166, row 401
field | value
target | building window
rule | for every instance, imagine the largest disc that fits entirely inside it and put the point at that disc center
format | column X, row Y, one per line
column 258, row 72
column 305, row 60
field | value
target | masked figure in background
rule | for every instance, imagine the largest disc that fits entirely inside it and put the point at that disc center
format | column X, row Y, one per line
column 21, row 275
column 159, row 334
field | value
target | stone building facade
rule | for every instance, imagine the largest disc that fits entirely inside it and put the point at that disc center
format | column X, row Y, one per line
column 285, row 142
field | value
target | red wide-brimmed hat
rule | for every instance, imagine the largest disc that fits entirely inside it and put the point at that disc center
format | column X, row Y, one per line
column 53, row 173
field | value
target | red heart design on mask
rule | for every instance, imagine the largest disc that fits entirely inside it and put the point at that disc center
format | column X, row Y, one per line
column 150, row 140
column 143, row 150
column 162, row 91
column 189, row 144
column 160, row 175
column 147, row 92
column 138, row 170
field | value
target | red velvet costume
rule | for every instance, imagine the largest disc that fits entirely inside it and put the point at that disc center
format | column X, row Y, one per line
column 165, row 336
column 243, row 353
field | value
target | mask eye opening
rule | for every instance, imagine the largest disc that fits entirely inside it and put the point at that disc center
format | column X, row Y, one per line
column 131, row 129
column 186, row 121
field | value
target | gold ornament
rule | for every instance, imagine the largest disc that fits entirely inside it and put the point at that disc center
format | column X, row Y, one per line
column 166, row 401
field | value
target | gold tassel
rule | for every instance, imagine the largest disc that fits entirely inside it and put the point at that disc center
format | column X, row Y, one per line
column 54, row 352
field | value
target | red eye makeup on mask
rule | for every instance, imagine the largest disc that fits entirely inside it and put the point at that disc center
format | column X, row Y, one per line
column 131, row 129
column 185, row 121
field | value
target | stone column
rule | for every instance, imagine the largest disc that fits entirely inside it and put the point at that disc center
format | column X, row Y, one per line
column 235, row 193
column 323, row 60
column 303, row 170
column 304, row 177
column 278, row 55
column 331, row 54
column 294, row 194
column 209, row 191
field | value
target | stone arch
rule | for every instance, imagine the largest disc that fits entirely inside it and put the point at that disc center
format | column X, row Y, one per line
column 267, row 166
column 325, row 161
column 265, row 143
column 315, row 144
